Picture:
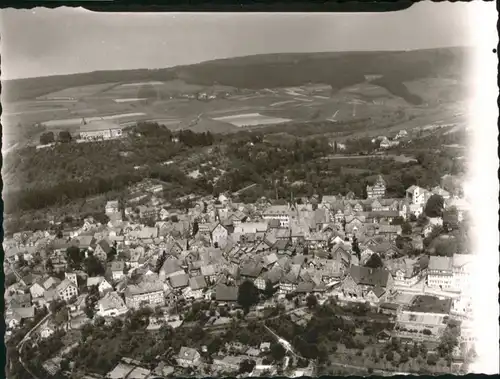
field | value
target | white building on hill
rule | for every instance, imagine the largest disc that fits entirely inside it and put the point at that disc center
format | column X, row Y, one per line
column 99, row 130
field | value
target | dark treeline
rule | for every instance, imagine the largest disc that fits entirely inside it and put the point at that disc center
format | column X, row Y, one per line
column 38, row 198
column 186, row 137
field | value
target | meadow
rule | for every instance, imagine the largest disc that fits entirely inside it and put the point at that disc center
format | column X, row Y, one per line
column 250, row 119
column 78, row 92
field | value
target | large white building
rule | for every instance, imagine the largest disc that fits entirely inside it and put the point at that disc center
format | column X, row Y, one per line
column 66, row 290
column 417, row 195
column 145, row 294
column 440, row 273
column 450, row 273
column 278, row 212
column 99, row 130
column 377, row 191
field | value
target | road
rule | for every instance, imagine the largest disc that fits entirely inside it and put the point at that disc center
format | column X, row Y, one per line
column 20, row 345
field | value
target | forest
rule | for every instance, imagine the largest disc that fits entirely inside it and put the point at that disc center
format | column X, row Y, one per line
column 279, row 166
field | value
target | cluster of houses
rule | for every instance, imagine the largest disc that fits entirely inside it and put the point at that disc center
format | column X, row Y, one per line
column 208, row 250
column 387, row 142
column 193, row 359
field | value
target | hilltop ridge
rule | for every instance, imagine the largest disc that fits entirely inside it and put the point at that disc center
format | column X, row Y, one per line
column 337, row 69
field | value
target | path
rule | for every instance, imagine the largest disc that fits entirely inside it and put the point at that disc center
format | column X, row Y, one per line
column 20, row 345
column 283, row 342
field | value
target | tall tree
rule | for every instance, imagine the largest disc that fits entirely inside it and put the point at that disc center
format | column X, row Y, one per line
column 406, row 228
column 248, row 295
column 355, row 247
column 64, row 136
column 374, row 261
column 46, row 138
column 434, row 206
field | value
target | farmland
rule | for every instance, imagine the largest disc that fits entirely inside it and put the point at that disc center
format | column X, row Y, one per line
column 278, row 96
column 249, row 119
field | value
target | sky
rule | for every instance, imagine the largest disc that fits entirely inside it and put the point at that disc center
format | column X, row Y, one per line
column 43, row 42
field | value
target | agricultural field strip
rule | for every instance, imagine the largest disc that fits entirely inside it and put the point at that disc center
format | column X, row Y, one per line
column 79, row 92
column 153, row 83
column 249, row 119
column 76, row 121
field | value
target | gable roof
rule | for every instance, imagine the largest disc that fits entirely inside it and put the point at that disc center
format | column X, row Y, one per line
column 369, row 276
column 251, row 269
column 64, row 284
column 440, row 263
column 179, row 280
column 111, row 301
column 104, row 246
column 197, row 282
column 226, row 293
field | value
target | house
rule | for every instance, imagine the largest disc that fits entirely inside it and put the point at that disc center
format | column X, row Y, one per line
column 47, row 331
column 102, row 284
column 180, row 280
column 416, row 209
column 440, row 272
column 111, row 305
column 389, row 231
column 116, row 268
column 85, row 242
column 251, row 270
column 385, row 250
column 367, row 284
column 389, row 308
column 15, row 317
column 251, row 228
column 278, row 212
column 288, row 282
column 401, row 134
column 144, row 294
column 71, row 276
column 384, row 336
column 377, row 191
column 210, row 272
column 218, row 235
column 37, row 290
column 51, row 282
column 66, row 290
column 20, row 301
column 225, row 293
column 112, row 207
column 417, row 195
column 196, row 287
column 441, row 192
column 265, row 347
column 188, row 357
column 409, row 272
column 102, row 250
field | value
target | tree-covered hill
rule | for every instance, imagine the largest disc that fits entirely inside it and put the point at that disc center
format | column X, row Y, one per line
column 338, row 69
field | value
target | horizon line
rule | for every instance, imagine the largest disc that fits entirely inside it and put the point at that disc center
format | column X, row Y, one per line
column 232, row 57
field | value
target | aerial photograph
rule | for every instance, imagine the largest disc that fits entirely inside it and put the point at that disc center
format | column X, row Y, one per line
column 236, row 195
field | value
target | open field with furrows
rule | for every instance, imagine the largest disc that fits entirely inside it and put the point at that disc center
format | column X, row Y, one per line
column 78, row 92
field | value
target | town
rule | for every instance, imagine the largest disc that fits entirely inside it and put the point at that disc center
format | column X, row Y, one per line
column 328, row 284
